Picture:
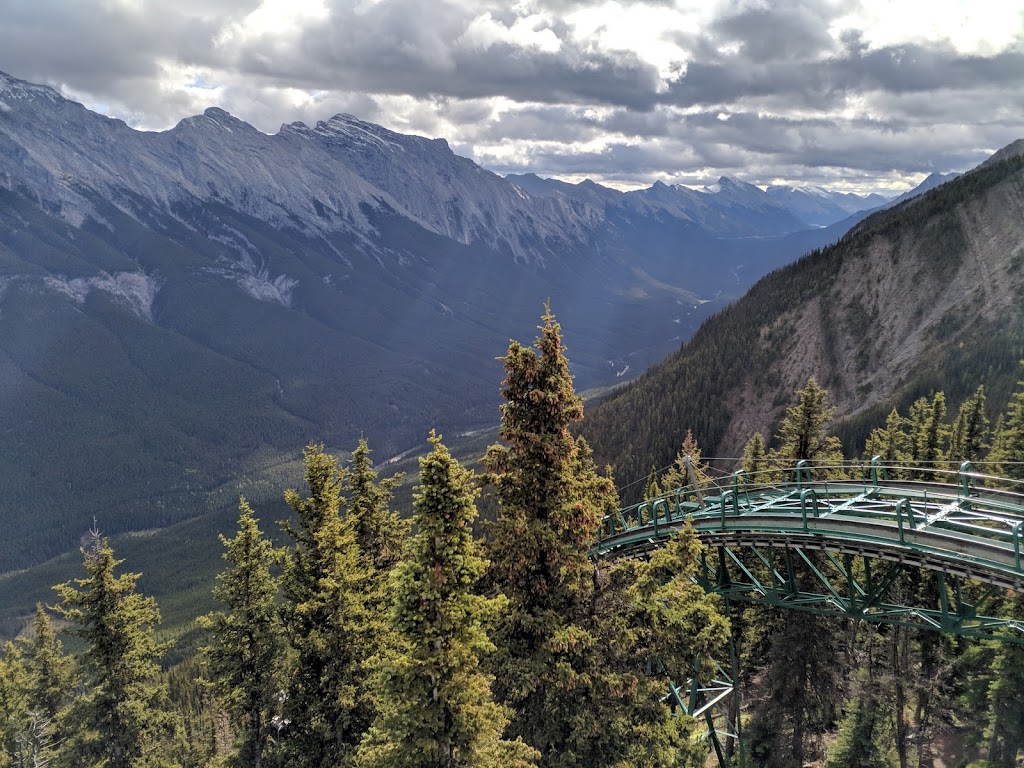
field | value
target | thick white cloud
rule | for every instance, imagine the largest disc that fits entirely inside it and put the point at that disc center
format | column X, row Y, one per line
column 867, row 93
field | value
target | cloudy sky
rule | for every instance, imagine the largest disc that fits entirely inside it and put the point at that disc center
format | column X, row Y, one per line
column 857, row 94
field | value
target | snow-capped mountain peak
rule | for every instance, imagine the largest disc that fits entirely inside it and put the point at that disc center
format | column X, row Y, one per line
column 13, row 88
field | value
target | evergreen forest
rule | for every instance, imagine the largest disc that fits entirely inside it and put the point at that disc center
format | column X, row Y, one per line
column 476, row 630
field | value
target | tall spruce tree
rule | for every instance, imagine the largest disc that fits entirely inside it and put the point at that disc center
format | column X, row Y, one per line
column 50, row 673
column 1006, row 699
column 380, row 532
column 567, row 664
column 324, row 586
column 970, row 430
column 891, row 442
column 14, row 704
column 36, row 682
column 549, row 515
column 864, row 739
column 436, row 709
column 50, row 678
column 804, row 679
column 1008, row 445
column 802, row 434
column 652, row 488
column 246, row 652
column 119, row 720
column 930, row 434
column 755, row 462
column 381, row 538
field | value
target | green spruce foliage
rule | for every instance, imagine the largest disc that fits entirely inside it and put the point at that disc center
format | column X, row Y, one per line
column 756, row 464
column 802, row 434
column 326, row 623
column 573, row 661
column 119, row 720
column 652, row 488
column 929, row 433
column 1008, row 447
column 671, row 631
column 50, row 673
column 891, row 442
column 36, row 681
column 436, row 709
column 1006, row 700
column 865, row 738
column 14, row 705
column 970, row 430
column 551, row 504
column 380, row 532
column 246, row 652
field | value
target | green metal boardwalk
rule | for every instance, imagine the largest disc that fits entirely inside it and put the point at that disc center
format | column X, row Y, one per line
column 867, row 530
column 838, row 548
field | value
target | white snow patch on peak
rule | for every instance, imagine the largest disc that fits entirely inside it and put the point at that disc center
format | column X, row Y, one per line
column 135, row 291
column 355, row 129
column 5, row 107
column 19, row 89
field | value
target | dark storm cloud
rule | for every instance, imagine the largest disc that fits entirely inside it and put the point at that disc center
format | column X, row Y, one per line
column 762, row 149
column 825, row 81
column 427, row 50
column 800, row 103
column 788, row 31
column 96, row 45
column 556, row 123
column 112, row 54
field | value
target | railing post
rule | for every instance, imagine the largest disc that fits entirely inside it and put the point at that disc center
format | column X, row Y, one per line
column 803, row 504
column 727, row 497
column 878, row 470
column 1016, row 543
column 739, row 476
column 904, row 505
column 655, row 506
column 801, row 468
column 965, row 478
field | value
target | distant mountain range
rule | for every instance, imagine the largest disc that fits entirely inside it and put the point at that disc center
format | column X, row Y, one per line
column 923, row 296
column 181, row 311
column 729, row 208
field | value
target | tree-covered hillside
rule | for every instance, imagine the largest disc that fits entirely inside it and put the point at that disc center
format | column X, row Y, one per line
column 356, row 646
column 927, row 296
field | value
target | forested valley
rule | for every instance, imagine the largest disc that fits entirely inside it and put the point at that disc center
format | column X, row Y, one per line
column 280, row 488
column 377, row 639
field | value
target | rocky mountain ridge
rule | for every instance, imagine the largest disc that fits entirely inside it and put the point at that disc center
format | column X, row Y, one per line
column 181, row 311
column 319, row 179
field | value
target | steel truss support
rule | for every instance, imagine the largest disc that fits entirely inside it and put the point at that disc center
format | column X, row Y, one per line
column 853, row 587
column 835, row 548
column 717, row 703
